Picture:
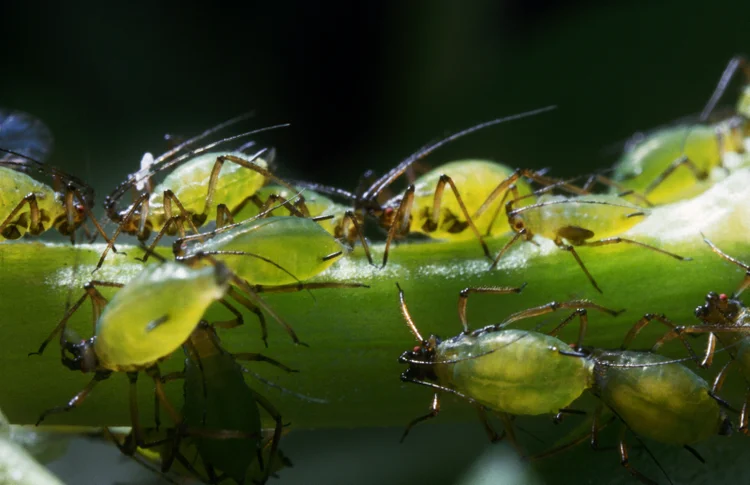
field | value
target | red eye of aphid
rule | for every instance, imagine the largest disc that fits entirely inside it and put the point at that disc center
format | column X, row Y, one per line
column 416, row 349
column 79, row 208
column 389, row 210
column 723, row 297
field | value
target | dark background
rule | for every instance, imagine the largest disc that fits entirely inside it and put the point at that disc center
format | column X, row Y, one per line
column 364, row 84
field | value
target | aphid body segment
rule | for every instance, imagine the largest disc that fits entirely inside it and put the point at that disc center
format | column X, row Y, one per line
column 667, row 403
column 515, row 371
column 151, row 316
column 275, row 250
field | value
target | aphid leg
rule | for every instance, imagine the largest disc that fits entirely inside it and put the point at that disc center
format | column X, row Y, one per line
column 737, row 62
column 242, row 300
column 170, row 197
column 491, row 433
column 279, row 201
column 154, row 373
column 679, row 162
column 567, row 247
column 270, row 409
column 617, row 240
column 434, row 219
column 407, row 317
column 400, row 222
column 70, row 209
column 252, row 166
column 351, row 217
column 172, row 376
column 463, row 299
column 292, row 287
column 175, row 221
column 255, row 357
column 8, row 230
column 97, row 300
column 511, row 434
column 513, row 192
column 434, row 411
column 744, row 415
column 235, row 322
column 645, row 320
column 583, row 326
column 625, row 461
column 558, row 418
column 248, row 293
column 507, row 246
column 746, row 282
column 142, row 203
column 553, row 307
column 77, row 399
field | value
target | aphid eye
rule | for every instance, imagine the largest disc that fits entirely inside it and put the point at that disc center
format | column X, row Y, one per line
column 388, row 211
column 417, row 349
column 518, row 225
column 79, row 208
column 723, row 297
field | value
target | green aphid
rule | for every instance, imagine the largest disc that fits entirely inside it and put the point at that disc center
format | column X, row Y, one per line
column 28, row 206
column 205, row 186
column 653, row 396
column 581, row 220
column 146, row 320
column 276, row 250
column 675, row 163
column 482, row 366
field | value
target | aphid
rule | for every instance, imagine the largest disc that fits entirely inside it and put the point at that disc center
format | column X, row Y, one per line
column 146, row 320
column 675, row 163
column 26, row 204
column 422, row 207
column 220, row 412
column 576, row 221
column 655, row 397
column 202, row 188
column 482, row 366
column 728, row 319
column 297, row 249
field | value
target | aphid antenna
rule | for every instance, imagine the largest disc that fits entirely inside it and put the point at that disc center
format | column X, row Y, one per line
column 735, row 261
column 737, row 62
column 283, row 389
column 653, row 457
column 23, row 167
column 232, row 121
column 517, row 211
column 407, row 316
column 387, row 179
column 325, row 189
column 133, row 179
column 439, row 388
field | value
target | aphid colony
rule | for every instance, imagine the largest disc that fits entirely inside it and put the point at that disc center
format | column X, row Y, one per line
column 273, row 235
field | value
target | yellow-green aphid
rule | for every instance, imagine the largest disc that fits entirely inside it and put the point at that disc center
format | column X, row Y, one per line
column 146, row 320
column 585, row 220
column 727, row 319
column 676, row 163
column 205, row 185
column 218, row 400
column 277, row 250
column 28, row 206
column 654, row 397
column 483, row 366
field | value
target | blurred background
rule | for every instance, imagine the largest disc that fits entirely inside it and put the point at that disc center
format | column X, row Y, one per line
column 363, row 84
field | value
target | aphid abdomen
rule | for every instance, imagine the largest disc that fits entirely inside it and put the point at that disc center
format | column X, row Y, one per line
column 525, row 374
column 297, row 244
column 667, row 403
column 14, row 186
column 601, row 215
column 649, row 158
column 475, row 181
column 226, row 403
column 154, row 314
column 189, row 182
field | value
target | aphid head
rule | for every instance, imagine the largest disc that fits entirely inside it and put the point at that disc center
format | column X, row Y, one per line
column 67, row 226
column 420, row 360
column 516, row 222
column 718, row 309
column 80, row 355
